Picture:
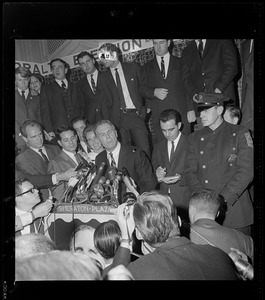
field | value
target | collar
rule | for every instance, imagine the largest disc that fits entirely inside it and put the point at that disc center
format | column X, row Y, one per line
column 205, row 221
column 116, row 151
column 20, row 212
column 71, row 154
column 166, row 57
column 174, row 242
column 175, row 141
column 26, row 92
column 37, row 150
column 60, row 81
column 94, row 74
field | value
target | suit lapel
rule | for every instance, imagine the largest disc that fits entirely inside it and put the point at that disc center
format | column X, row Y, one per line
column 67, row 158
column 35, row 156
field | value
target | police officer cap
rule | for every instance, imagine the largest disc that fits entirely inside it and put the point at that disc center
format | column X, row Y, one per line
column 205, row 100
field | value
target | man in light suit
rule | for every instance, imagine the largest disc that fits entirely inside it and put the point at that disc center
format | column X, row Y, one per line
column 67, row 159
column 170, row 169
column 124, row 156
column 123, row 85
column 164, row 76
column 213, row 69
column 59, row 102
column 33, row 164
column 89, row 90
column 26, row 105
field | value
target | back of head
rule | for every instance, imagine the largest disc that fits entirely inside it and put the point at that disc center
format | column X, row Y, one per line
column 107, row 238
column 155, row 217
column 170, row 114
column 57, row 265
column 204, row 203
column 31, row 244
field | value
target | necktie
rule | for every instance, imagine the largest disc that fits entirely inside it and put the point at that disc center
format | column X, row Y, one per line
column 63, row 85
column 93, row 84
column 172, row 151
column 118, row 82
column 113, row 164
column 163, row 67
column 45, row 158
column 23, row 95
column 78, row 158
column 200, row 48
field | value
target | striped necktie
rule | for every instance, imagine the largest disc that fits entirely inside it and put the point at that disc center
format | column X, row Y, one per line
column 45, row 158
column 172, row 151
column 63, row 85
column 200, row 48
column 93, row 84
column 113, row 163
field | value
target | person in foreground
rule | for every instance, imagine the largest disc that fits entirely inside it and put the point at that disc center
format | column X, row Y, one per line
column 171, row 257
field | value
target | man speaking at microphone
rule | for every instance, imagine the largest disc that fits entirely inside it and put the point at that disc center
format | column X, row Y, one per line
column 120, row 156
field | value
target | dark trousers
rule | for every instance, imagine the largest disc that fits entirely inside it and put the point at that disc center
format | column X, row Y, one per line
column 133, row 131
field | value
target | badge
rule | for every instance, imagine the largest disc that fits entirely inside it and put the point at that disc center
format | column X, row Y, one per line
column 249, row 139
column 232, row 158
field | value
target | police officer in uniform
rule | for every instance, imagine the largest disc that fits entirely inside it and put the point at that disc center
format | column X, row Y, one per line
column 220, row 157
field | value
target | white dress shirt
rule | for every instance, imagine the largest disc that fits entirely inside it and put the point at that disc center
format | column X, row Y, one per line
column 60, row 82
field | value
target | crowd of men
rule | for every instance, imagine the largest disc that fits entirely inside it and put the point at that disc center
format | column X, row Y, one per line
column 191, row 167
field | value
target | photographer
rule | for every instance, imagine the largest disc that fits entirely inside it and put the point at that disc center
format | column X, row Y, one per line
column 171, row 256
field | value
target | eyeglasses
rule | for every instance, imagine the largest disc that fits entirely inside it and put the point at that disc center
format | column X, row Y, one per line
column 29, row 191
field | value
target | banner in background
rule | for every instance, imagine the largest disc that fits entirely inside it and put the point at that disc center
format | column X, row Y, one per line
column 126, row 46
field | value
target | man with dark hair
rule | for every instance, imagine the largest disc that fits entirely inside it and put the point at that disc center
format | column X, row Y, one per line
column 89, row 88
column 123, row 89
column 79, row 124
column 59, row 101
column 204, row 208
column 164, row 76
column 27, row 209
column 220, row 158
column 171, row 256
column 33, row 162
column 168, row 160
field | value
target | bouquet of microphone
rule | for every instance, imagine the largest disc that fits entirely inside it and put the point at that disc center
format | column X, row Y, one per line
column 90, row 186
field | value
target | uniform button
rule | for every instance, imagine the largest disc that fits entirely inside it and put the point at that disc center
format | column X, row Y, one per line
column 203, row 166
column 203, row 73
column 201, row 152
column 234, row 148
column 231, row 165
column 234, row 134
column 202, row 139
column 206, row 181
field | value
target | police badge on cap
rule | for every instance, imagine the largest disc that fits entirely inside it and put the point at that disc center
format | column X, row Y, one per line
column 206, row 100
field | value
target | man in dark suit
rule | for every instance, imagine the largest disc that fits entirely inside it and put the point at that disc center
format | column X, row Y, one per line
column 26, row 105
column 59, row 102
column 124, row 156
column 220, row 158
column 211, row 66
column 204, row 207
column 247, row 104
column 168, row 165
column 33, row 163
column 67, row 159
column 171, row 256
column 89, row 90
column 164, row 76
column 122, row 85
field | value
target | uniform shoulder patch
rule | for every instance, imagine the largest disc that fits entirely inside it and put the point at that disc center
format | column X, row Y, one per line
column 249, row 139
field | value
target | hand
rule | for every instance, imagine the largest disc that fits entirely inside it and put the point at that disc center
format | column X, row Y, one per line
column 47, row 136
column 160, row 173
column 125, row 220
column 148, row 110
column 235, row 254
column 171, row 179
column 42, row 209
column 191, row 116
column 65, row 176
column 161, row 93
column 217, row 91
column 119, row 273
column 51, row 134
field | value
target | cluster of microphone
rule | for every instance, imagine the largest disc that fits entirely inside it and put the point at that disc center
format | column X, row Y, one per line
column 91, row 186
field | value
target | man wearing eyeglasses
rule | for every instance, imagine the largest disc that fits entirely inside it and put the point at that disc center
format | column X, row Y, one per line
column 28, row 211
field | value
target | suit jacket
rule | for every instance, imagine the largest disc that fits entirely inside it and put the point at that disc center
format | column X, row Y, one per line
column 247, row 105
column 137, row 164
column 62, row 162
column 58, row 106
column 92, row 105
column 179, row 191
column 176, row 98
column 217, row 68
column 180, row 259
column 135, row 80
column 222, row 237
column 222, row 160
column 24, row 110
column 33, row 167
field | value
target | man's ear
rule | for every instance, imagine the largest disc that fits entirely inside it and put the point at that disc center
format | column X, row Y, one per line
column 220, row 110
column 60, row 143
column 217, row 214
column 235, row 120
column 179, row 125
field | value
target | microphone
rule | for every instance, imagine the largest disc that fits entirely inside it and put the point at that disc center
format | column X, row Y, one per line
column 112, row 171
column 102, row 180
column 128, row 182
column 99, row 173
